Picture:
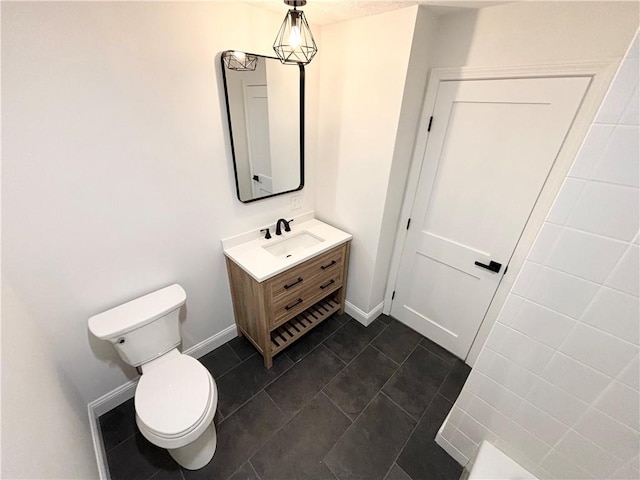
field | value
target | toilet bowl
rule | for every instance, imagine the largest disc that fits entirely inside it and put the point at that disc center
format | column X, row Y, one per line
column 176, row 396
column 175, row 401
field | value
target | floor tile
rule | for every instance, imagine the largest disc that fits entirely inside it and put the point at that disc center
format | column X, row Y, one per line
column 398, row 341
column 137, row 458
column 311, row 340
column 314, row 421
column 417, row 381
column 220, row 360
column 246, row 472
column 297, row 450
column 396, row 473
column 240, row 436
column 357, row 384
column 443, row 353
column 304, row 380
column 242, row 382
column 452, row 385
column 174, row 474
column 352, row 338
column 422, row 457
column 368, row 449
column 242, row 347
column 118, row 424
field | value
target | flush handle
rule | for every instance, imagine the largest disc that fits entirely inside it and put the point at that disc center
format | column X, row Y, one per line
column 493, row 266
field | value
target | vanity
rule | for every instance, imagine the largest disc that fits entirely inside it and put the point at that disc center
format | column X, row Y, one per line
column 285, row 286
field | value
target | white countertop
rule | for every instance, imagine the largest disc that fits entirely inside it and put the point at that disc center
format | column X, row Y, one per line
column 246, row 250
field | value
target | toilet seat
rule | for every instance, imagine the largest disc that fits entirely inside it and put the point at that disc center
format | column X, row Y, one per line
column 175, row 401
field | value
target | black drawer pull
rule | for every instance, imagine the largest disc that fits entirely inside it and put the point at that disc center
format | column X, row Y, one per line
column 324, row 267
column 287, row 287
column 330, row 282
column 289, row 307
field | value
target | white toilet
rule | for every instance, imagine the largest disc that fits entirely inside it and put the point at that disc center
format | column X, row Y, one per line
column 176, row 397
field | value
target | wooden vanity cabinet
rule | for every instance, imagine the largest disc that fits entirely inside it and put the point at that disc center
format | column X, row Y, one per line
column 276, row 312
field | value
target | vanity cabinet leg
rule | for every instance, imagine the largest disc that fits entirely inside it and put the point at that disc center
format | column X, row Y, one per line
column 268, row 360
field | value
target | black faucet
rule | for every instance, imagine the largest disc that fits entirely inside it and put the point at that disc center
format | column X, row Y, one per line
column 267, row 235
column 280, row 222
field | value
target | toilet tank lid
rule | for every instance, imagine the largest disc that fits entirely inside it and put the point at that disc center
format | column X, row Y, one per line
column 137, row 313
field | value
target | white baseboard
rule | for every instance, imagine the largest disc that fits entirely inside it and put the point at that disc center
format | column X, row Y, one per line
column 213, row 342
column 363, row 317
column 126, row 391
column 98, row 446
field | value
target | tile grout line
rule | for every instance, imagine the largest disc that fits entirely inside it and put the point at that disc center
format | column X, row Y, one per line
column 254, row 469
column 396, row 404
column 119, row 443
column 338, row 407
column 384, row 354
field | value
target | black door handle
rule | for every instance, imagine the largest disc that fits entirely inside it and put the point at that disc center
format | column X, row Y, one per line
column 256, row 178
column 493, row 266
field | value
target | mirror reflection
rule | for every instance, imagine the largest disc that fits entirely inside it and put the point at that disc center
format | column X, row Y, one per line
column 265, row 106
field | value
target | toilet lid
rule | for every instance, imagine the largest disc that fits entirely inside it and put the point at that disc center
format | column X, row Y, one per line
column 174, row 396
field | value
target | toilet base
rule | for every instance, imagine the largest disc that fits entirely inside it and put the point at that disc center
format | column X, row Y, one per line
column 198, row 453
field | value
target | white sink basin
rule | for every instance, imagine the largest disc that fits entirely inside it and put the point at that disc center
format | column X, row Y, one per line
column 263, row 258
column 294, row 244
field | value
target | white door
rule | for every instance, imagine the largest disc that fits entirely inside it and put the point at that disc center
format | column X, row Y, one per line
column 258, row 134
column 491, row 146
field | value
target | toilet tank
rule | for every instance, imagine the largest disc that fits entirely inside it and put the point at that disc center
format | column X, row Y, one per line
column 144, row 328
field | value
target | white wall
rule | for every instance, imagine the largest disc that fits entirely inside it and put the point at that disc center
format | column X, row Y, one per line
column 38, row 402
column 361, row 96
column 556, row 385
column 117, row 179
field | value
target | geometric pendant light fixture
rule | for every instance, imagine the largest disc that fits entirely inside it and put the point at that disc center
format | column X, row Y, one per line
column 240, row 61
column 294, row 43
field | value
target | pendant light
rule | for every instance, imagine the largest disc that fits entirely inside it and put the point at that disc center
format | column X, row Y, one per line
column 235, row 60
column 294, row 43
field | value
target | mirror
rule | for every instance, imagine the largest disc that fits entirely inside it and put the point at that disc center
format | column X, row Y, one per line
column 265, row 107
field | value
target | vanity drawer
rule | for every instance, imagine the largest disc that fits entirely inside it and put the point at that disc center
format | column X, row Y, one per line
column 296, row 302
column 307, row 274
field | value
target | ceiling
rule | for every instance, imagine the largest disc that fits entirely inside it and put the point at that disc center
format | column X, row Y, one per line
column 324, row 12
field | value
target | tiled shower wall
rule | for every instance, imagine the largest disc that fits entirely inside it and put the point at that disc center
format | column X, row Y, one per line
column 556, row 385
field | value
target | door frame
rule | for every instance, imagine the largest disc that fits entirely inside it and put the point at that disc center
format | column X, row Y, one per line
column 601, row 72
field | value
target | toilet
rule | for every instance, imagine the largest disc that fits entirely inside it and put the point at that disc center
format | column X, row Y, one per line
column 176, row 396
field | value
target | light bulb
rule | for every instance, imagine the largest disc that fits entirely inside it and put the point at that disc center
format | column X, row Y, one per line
column 294, row 36
column 239, row 55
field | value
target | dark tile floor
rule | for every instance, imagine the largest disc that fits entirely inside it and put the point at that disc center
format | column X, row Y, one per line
column 344, row 402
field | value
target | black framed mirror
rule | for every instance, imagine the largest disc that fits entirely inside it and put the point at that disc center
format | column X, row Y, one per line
column 265, row 109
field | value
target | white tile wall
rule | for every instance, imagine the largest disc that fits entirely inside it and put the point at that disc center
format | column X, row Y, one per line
column 556, row 384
